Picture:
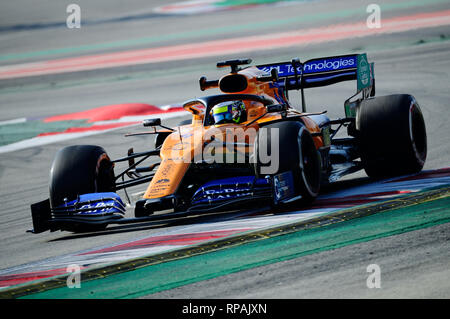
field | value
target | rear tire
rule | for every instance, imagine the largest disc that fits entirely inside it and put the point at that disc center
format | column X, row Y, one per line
column 297, row 153
column 392, row 134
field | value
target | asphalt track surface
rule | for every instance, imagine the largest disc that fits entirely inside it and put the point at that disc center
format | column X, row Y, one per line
column 415, row 62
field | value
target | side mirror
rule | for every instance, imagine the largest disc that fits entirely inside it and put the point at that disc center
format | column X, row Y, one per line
column 151, row 122
column 194, row 107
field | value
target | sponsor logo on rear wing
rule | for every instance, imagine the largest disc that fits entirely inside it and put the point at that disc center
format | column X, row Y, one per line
column 323, row 71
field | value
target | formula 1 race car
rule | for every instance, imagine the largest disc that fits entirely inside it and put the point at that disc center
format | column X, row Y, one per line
column 246, row 147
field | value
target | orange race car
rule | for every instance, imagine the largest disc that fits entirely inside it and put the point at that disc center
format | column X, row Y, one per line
column 248, row 146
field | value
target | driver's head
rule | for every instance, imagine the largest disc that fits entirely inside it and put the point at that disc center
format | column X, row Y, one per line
column 229, row 112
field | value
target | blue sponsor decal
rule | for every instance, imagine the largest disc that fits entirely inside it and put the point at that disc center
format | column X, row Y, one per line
column 93, row 204
column 229, row 188
column 284, row 69
column 330, row 64
column 313, row 66
column 283, row 184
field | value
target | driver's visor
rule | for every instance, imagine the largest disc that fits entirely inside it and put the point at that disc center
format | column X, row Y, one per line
column 221, row 114
column 222, row 117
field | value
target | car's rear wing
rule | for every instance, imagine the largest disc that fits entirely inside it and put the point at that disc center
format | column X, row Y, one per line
column 323, row 71
column 296, row 75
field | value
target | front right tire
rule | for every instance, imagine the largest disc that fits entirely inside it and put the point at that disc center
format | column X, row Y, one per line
column 78, row 170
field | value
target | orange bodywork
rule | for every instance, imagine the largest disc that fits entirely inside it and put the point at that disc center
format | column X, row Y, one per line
column 186, row 144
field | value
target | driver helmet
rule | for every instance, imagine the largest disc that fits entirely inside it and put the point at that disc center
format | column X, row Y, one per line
column 229, row 112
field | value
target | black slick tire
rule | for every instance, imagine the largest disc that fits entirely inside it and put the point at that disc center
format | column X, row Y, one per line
column 392, row 136
column 297, row 153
